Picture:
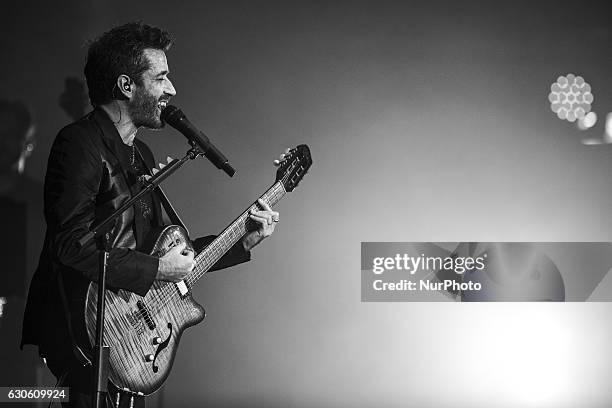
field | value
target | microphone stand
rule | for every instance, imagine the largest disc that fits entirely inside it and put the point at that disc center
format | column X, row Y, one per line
column 102, row 352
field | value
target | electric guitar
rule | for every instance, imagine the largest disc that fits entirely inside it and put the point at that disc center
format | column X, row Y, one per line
column 143, row 333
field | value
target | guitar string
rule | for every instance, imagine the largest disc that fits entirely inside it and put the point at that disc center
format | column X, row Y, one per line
column 168, row 290
column 272, row 196
column 168, row 293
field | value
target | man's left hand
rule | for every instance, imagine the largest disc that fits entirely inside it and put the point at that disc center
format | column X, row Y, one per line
column 266, row 219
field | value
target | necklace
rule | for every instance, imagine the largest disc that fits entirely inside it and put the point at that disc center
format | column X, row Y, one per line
column 133, row 156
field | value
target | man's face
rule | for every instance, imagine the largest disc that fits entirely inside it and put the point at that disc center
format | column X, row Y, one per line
column 152, row 96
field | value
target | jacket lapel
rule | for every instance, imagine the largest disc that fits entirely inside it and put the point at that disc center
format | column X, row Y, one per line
column 112, row 140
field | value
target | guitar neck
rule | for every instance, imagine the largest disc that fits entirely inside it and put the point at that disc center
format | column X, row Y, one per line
column 230, row 235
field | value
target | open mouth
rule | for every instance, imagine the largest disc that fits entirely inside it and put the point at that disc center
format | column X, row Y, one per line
column 162, row 105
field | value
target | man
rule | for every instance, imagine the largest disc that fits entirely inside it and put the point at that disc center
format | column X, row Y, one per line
column 95, row 164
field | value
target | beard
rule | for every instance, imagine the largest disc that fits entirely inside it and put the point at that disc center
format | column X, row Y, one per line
column 144, row 110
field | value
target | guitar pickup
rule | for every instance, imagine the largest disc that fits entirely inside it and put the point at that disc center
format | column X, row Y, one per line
column 144, row 311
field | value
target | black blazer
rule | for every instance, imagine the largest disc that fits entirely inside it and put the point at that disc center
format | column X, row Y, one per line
column 84, row 183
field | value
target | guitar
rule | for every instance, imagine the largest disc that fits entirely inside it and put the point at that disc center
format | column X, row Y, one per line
column 143, row 333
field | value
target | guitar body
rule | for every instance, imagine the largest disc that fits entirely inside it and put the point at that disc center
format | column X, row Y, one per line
column 143, row 333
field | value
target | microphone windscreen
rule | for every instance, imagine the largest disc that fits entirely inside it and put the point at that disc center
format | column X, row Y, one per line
column 171, row 115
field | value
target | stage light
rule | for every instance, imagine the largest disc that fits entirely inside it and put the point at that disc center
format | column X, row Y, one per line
column 570, row 97
column 588, row 121
column 608, row 132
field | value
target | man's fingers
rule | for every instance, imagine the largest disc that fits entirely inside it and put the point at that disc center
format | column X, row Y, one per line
column 179, row 248
column 271, row 215
column 264, row 205
column 263, row 214
column 187, row 253
column 182, row 247
column 260, row 219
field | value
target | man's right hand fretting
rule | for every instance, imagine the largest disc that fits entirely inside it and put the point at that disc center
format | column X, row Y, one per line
column 176, row 264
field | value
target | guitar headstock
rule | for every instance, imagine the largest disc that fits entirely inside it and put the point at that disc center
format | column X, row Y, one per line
column 292, row 166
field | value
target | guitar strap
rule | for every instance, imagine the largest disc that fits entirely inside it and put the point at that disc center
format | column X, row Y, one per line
column 174, row 217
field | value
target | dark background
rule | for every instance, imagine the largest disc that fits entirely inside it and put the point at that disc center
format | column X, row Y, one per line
column 428, row 121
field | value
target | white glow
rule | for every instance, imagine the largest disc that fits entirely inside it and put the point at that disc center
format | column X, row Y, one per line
column 525, row 358
column 588, row 121
column 543, row 370
column 608, row 133
column 592, row 141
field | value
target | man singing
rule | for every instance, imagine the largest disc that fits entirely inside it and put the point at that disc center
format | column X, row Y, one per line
column 95, row 164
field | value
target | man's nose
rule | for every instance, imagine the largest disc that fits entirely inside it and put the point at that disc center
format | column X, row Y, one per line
column 170, row 89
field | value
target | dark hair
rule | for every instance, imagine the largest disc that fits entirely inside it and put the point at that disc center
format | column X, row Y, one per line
column 120, row 52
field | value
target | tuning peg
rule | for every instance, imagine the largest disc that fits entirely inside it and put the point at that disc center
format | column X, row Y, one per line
column 282, row 156
column 161, row 165
column 288, row 150
column 276, row 163
column 155, row 170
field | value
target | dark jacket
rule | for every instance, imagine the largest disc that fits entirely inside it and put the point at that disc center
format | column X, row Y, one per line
column 85, row 182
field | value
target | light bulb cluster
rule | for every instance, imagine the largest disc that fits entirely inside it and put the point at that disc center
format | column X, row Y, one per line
column 570, row 97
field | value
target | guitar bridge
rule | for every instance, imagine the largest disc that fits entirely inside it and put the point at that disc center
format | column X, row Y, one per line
column 134, row 319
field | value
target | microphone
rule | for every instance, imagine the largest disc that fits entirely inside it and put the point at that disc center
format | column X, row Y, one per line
column 177, row 119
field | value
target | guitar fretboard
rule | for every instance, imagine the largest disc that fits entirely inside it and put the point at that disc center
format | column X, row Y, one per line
column 232, row 234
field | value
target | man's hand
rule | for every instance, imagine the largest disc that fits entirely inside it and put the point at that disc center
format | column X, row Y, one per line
column 267, row 220
column 176, row 264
